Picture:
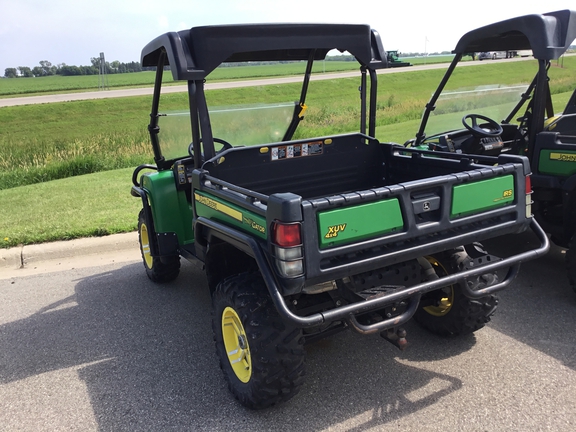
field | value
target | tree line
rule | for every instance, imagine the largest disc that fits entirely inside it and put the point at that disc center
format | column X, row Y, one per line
column 46, row 68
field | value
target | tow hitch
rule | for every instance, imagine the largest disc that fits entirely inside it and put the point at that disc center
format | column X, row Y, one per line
column 396, row 337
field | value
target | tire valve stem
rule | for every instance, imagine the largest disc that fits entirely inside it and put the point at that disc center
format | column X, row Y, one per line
column 396, row 337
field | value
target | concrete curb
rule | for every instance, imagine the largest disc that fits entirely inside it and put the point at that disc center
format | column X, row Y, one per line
column 24, row 256
column 11, row 258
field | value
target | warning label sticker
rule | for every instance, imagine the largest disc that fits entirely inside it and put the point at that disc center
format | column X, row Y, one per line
column 296, row 150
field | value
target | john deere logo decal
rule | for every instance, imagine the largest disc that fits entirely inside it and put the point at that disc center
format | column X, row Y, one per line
column 218, row 206
column 563, row 157
column 334, row 230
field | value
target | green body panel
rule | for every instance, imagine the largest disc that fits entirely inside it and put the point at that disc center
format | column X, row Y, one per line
column 170, row 209
column 557, row 162
column 470, row 198
column 346, row 225
column 215, row 208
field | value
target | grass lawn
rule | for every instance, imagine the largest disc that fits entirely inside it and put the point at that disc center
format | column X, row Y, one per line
column 10, row 87
column 83, row 206
column 66, row 84
column 90, row 205
column 108, row 138
column 52, row 141
column 100, row 203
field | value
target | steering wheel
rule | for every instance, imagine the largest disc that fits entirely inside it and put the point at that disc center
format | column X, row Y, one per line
column 225, row 146
column 492, row 129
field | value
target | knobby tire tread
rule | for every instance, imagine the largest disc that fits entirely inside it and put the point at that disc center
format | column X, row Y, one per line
column 276, row 348
column 466, row 315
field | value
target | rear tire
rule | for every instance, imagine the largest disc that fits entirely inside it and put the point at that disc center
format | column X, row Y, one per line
column 447, row 311
column 158, row 270
column 261, row 356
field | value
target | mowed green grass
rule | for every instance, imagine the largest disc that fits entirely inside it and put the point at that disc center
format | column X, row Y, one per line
column 10, row 87
column 100, row 204
column 52, row 141
column 59, row 84
column 75, row 138
column 83, row 206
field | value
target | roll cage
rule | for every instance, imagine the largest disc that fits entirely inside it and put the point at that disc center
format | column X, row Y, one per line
column 193, row 54
column 548, row 36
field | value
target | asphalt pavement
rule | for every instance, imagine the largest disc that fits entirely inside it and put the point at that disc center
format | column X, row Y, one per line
column 90, row 344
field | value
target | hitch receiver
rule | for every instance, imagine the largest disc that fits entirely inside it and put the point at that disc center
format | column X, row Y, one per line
column 396, row 337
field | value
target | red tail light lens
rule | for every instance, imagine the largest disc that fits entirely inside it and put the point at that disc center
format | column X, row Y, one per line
column 528, row 185
column 287, row 235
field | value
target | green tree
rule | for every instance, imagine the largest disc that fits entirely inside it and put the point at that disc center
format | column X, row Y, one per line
column 70, row 70
column 25, row 71
column 46, row 67
column 10, row 73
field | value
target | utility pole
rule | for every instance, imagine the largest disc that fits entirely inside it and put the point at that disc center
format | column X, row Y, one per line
column 102, row 74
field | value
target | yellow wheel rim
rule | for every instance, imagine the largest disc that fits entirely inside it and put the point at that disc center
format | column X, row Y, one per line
column 446, row 302
column 236, row 345
column 145, row 245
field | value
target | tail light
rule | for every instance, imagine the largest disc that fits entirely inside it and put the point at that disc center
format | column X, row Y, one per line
column 528, row 197
column 287, row 247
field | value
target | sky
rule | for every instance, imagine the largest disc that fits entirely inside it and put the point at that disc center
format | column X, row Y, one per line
column 74, row 31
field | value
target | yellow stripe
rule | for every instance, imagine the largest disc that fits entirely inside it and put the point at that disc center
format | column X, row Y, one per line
column 215, row 205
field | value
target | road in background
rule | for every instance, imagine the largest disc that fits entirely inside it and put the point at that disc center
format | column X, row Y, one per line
column 102, row 348
column 29, row 100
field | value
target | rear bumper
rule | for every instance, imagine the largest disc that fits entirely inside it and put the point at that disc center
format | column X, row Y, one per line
column 411, row 294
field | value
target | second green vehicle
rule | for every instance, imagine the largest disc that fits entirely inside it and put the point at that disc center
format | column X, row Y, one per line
column 535, row 117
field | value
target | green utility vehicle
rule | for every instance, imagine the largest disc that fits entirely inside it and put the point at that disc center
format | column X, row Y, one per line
column 301, row 237
column 394, row 60
column 496, row 118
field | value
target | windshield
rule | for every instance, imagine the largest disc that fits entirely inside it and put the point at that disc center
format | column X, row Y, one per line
column 243, row 125
column 495, row 101
column 239, row 125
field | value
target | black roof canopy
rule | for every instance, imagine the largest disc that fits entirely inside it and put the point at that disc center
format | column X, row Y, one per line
column 548, row 35
column 193, row 54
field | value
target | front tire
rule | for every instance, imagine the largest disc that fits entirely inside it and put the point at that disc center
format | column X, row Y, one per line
column 157, row 269
column 447, row 311
column 261, row 356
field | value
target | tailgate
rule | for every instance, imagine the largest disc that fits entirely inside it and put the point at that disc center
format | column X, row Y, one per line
column 351, row 224
column 364, row 230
